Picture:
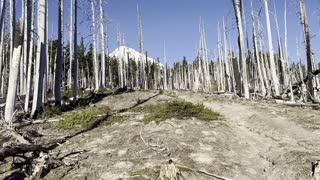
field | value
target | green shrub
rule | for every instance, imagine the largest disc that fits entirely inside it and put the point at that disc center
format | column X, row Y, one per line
column 50, row 111
column 176, row 109
column 69, row 93
column 82, row 119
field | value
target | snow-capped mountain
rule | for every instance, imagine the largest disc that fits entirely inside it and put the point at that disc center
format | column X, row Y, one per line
column 123, row 52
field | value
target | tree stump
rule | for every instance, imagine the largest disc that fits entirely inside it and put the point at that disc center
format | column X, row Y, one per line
column 169, row 172
column 316, row 170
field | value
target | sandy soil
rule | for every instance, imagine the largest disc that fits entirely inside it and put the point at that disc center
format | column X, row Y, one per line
column 252, row 141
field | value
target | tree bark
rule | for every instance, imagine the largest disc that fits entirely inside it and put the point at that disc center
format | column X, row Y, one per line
column 305, row 26
column 237, row 4
column 13, row 84
column 40, row 62
column 103, row 54
column 58, row 68
column 94, row 43
column 274, row 75
column 75, row 63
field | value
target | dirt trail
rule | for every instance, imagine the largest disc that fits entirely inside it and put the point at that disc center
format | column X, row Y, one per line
column 274, row 142
column 253, row 141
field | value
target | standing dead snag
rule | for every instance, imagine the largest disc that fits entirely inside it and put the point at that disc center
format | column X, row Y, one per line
column 41, row 59
column 273, row 70
column 237, row 8
column 305, row 26
column 13, row 84
column 58, row 68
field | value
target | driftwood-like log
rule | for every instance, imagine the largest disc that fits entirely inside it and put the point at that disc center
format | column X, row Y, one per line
column 19, row 149
column 297, row 104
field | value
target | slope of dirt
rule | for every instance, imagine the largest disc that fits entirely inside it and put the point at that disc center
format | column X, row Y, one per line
column 252, row 141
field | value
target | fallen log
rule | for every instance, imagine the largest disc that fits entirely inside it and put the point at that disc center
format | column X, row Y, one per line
column 297, row 104
column 19, row 149
column 305, row 80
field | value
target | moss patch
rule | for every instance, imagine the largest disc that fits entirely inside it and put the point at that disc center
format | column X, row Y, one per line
column 82, row 119
column 176, row 109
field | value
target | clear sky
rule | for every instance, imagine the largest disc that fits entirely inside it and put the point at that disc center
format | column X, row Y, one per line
column 176, row 23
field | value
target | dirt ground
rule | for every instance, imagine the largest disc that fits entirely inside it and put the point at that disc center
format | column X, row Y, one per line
column 253, row 140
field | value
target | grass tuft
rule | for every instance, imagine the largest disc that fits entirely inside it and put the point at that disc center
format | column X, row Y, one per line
column 82, row 119
column 113, row 119
column 50, row 111
column 137, row 173
column 176, row 109
column 185, row 169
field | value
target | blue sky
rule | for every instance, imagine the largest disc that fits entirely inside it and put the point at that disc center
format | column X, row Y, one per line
column 176, row 23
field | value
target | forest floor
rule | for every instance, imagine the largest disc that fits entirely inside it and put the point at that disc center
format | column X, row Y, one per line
column 251, row 140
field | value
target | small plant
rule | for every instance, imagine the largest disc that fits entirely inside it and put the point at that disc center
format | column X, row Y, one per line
column 137, row 173
column 50, row 111
column 69, row 93
column 176, row 109
column 185, row 169
column 82, row 119
column 139, row 101
column 112, row 120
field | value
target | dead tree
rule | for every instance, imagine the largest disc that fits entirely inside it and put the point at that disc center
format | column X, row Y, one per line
column 40, row 61
column 274, row 75
column 58, row 68
column 305, row 26
column 237, row 9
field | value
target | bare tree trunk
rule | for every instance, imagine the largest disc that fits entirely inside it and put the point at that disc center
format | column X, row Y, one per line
column 75, row 63
column 237, row 4
column 13, row 83
column 274, row 76
column 12, row 27
column 3, row 13
column 58, row 68
column 226, row 56
column 30, row 58
column 257, row 57
column 305, row 26
column 103, row 54
column 95, row 61
column 40, row 62
column 70, row 44
column 164, row 68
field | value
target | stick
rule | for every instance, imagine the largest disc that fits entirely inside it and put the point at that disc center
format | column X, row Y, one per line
column 206, row 173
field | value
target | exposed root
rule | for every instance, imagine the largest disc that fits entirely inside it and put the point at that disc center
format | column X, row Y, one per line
column 155, row 147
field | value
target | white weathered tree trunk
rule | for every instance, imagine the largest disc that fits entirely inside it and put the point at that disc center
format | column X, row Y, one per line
column 257, row 56
column 12, row 27
column 30, row 58
column 228, row 76
column 94, row 44
column 103, row 54
column 13, row 84
column 70, row 44
column 237, row 4
column 75, row 61
column 274, row 75
column 305, row 26
column 40, row 61
column 58, row 67
column 164, row 68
